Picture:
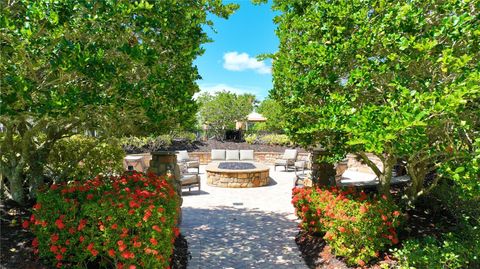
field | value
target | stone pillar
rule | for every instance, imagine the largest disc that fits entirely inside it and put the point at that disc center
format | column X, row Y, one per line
column 323, row 173
column 164, row 162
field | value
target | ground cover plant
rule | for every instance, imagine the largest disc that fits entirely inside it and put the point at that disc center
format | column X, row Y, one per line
column 119, row 221
column 356, row 226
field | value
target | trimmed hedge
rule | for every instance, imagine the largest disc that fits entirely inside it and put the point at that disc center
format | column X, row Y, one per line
column 123, row 221
column 355, row 225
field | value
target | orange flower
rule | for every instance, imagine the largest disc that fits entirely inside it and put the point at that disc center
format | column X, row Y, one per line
column 341, row 229
column 396, row 213
column 111, row 252
column 363, row 209
column 156, row 228
column 361, row 262
column 153, row 241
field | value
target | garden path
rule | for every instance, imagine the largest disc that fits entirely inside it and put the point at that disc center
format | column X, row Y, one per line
column 242, row 228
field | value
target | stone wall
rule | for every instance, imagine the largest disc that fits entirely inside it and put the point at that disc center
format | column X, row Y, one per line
column 238, row 180
column 262, row 157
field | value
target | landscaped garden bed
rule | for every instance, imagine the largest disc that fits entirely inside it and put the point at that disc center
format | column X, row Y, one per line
column 121, row 222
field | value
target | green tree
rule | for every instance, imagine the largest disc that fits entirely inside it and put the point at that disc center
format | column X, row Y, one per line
column 116, row 67
column 272, row 111
column 221, row 110
column 397, row 79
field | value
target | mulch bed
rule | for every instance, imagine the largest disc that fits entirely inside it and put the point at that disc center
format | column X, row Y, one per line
column 207, row 146
column 16, row 250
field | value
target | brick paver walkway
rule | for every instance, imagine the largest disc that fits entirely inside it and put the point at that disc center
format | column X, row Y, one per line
column 242, row 228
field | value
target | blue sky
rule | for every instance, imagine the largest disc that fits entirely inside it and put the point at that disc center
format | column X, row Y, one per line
column 229, row 62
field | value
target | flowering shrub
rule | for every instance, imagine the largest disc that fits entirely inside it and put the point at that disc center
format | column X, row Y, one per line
column 355, row 225
column 124, row 221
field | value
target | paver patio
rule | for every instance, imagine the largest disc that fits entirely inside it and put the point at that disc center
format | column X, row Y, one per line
column 242, row 228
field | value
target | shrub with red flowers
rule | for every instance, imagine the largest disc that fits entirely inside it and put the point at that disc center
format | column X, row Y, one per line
column 127, row 221
column 355, row 225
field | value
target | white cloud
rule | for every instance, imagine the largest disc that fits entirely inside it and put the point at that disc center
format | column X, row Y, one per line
column 235, row 61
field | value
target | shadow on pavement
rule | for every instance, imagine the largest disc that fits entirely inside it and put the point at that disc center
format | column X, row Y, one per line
column 235, row 237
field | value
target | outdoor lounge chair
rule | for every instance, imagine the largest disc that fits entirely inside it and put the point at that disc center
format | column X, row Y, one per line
column 288, row 159
column 183, row 158
column 188, row 179
column 303, row 163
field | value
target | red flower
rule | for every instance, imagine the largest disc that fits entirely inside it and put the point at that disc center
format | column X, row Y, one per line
column 54, row 238
column 53, row 248
column 89, row 196
column 176, row 231
column 81, row 238
column 153, row 241
column 396, row 213
column 361, row 262
column 59, row 224
column 111, row 252
column 384, row 218
column 25, row 224
column 35, row 242
column 59, row 257
column 132, row 267
column 128, row 255
column 156, row 228
column 120, row 242
column 122, row 248
column 114, row 226
column 137, row 244
column 82, row 224
column 63, row 249
column 341, row 229
column 54, row 187
column 94, row 252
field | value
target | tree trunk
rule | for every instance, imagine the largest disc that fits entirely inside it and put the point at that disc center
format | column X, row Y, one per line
column 417, row 174
column 386, row 178
column 16, row 188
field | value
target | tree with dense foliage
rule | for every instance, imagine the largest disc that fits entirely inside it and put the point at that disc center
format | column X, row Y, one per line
column 272, row 111
column 116, row 67
column 221, row 110
column 397, row 79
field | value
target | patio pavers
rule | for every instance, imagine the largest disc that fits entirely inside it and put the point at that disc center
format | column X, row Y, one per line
column 242, row 228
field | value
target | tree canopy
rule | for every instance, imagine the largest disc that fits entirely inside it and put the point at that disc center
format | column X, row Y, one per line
column 116, row 67
column 272, row 111
column 398, row 79
column 221, row 110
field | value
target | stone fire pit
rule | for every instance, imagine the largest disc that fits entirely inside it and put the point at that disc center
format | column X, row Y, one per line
column 237, row 174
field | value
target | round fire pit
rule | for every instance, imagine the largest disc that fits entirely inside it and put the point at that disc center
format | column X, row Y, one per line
column 237, row 174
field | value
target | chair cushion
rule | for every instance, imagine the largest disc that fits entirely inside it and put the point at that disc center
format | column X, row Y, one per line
column 218, row 155
column 290, row 154
column 232, row 155
column 281, row 162
column 182, row 156
column 193, row 164
column 300, row 164
column 189, row 179
column 247, row 155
